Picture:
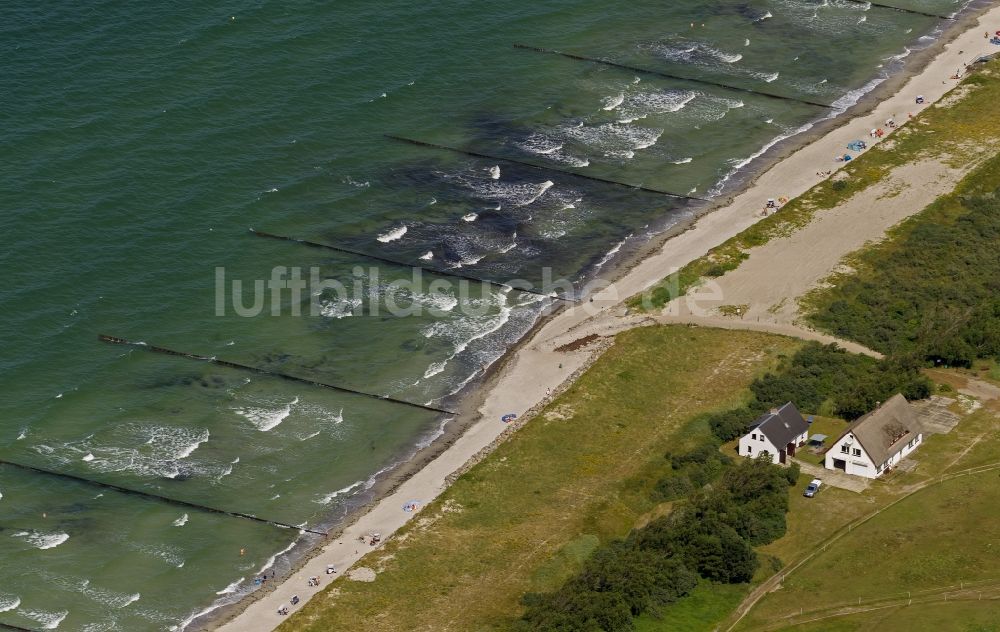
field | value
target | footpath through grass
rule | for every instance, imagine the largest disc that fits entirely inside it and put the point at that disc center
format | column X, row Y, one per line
column 944, row 535
column 580, row 474
column 958, row 130
column 971, row 615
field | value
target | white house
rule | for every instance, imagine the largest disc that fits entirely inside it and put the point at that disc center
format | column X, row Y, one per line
column 776, row 433
column 877, row 442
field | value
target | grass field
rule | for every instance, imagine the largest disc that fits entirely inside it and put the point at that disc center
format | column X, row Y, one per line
column 941, row 536
column 578, row 475
column 953, row 616
column 707, row 604
column 959, row 132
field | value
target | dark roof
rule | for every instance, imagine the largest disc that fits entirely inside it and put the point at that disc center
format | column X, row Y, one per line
column 883, row 431
column 781, row 425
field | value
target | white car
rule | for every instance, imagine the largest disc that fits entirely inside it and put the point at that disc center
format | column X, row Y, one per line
column 812, row 488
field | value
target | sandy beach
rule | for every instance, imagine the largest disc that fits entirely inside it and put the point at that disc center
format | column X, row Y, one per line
column 784, row 268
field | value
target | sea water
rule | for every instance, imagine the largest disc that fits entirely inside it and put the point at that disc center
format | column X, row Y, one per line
column 142, row 142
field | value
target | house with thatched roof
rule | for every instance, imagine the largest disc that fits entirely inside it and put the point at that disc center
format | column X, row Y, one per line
column 877, row 442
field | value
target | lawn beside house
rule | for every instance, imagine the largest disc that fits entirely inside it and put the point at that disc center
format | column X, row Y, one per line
column 943, row 533
column 580, row 474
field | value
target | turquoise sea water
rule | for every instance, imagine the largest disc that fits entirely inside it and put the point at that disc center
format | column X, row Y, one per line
column 140, row 145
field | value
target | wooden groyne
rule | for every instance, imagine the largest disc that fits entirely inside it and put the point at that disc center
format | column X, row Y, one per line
column 245, row 367
column 913, row 11
column 438, row 271
column 164, row 499
column 573, row 174
column 667, row 75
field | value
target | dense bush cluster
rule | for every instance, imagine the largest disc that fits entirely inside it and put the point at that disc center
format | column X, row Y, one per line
column 825, row 378
column 932, row 291
column 691, row 470
column 722, row 509
column 711, row 536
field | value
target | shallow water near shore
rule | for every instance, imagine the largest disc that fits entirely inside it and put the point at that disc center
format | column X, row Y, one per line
column 143, row 144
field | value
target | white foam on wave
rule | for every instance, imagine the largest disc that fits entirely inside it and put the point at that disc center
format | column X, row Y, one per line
column 738, row 164
column 619, row 140
column 542, row 188
column 48, row 620
column 165, row 553
column 427, row 256
column 354, row 183
column 468, row 328
column 187, row 451
column 513, row 241
column 495, row 172
column 41, row 540
column 9, row 602
column 392, row 235
column 682, row 161
column 551, row 148
column 231, row 588
column 103, row 596
column 434, row 369
column 271, row 560
column 468, row 260
column 180, row 522
column 643, row 104
column 611, row 253
column 613, row 102
column 470, row 217
column 766, row 16
column 266, row 419
column 339, row 309
column 694, row 52
column 158, row 452
column 326, row 499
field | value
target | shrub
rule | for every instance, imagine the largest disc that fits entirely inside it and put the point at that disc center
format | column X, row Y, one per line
column 673, row 487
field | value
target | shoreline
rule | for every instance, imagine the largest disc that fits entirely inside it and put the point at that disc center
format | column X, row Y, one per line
column 519, row 380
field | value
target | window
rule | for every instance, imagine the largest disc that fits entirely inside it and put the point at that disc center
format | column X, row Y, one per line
column 845, row 448
column 749, row 449
column 857, row 452
column 753, row 435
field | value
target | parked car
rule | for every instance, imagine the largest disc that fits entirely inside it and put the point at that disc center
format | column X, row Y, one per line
column 812, row 488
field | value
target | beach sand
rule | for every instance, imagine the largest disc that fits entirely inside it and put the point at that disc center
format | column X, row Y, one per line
column 536, row 369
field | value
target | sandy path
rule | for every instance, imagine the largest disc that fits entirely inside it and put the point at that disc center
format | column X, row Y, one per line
column 785, row 268
column 536, row 369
